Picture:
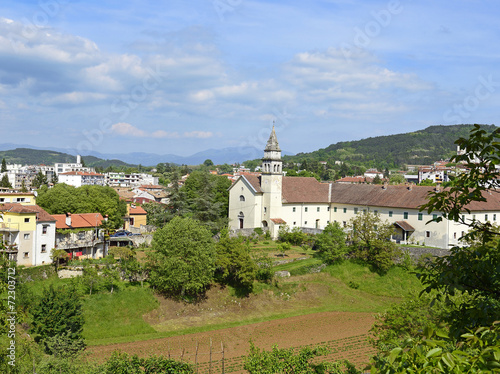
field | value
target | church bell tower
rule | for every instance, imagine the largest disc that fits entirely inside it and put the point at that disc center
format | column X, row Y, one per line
column 271, row 180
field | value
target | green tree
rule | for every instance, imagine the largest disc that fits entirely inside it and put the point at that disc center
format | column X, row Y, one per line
column 287, row 361
column 23, row 186
column 370, row 238
column 208, row 163
column 5, row 182
column 234, row 265
column 86, row 199
column 331, row 243
column 396, row 179
column 427, row 182
column 182, row 261
column 59, row 313
column 57, row 256
column 377, row 180
column 4, row 166
column 39, row 180
column 473, row 269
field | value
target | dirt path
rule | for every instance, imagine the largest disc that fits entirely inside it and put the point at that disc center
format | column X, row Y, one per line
column 345, row 334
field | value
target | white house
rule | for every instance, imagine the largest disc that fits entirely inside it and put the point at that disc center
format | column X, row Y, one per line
column 272, row 200
column 82, row 178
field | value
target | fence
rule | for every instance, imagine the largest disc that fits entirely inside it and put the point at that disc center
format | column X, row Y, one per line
column 215, row 364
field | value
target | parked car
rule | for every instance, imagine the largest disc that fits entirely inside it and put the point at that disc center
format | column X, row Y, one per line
column 121, row 233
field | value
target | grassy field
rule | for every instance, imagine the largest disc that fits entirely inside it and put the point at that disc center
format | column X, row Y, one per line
column 133, row 313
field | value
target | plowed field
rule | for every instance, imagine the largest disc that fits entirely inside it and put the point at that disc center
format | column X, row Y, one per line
column 344, row 333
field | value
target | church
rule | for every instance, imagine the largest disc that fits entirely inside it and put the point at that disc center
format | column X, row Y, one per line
column 272, row 200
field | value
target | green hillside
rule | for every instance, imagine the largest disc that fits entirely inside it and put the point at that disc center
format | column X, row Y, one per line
column 28, row 156
column 419, row 147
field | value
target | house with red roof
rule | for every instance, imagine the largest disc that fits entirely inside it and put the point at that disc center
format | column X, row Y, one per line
column 272, row 200
column 79, row 234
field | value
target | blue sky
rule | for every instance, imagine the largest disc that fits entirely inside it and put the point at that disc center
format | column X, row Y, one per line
column 180, row 77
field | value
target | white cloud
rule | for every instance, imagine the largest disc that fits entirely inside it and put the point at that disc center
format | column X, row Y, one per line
column 126, row 129
column 198, row 134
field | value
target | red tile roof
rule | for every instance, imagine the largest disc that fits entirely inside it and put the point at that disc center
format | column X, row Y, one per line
column 404, row 225
column 278, row 221
column 304, row 190
column 41, row 215
column 83, row 220
column 136, row 210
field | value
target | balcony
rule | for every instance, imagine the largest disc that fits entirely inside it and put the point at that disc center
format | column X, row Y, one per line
column 9, row 227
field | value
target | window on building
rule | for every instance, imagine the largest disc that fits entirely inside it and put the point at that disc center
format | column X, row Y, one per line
column 294, row 223
column 427, row 234
column 375, row 212
column 2, row 199
column 344, row 223
column 494, row 217
column 44, row 229
column 434, row 216
column 345, row 210
column 305, row 222
column 474, row 217
column 44, row 248
column 26, row 220
column 131, row 221
column 327, row 222
column 420, row 216
column 242, row 198
column 327, row 208
column 355, row 210
column 390, row 213
column 405, row 215
column 317, row 209
column 265, row 209
column 26, row 236
column 293, row 209
column 305, row 209
column 454, row 235
column 26, row 254
column 463, row 233
column 485, row 217
column 463, row 217
column 335, row 209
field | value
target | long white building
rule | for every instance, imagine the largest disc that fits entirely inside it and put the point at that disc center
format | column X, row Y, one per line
column 272, row 200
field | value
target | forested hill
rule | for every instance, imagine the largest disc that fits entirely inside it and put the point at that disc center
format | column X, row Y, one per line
column 28, row 156
column 420, row 147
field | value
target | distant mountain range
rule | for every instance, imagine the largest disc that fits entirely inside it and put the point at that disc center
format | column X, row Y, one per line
column 418, row 147
column 28, row 154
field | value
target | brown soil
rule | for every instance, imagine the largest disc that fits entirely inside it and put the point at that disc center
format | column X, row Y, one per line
column 344, row 333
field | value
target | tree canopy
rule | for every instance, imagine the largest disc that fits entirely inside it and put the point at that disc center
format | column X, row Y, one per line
column 63, row 198
column 182, row 261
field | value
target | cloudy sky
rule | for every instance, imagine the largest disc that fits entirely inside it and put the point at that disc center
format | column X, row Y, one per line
column 182, row 76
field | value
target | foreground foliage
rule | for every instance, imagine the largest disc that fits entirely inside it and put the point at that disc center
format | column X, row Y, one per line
column 183, row 258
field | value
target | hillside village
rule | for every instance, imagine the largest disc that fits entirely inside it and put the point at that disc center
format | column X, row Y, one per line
column 263, row 199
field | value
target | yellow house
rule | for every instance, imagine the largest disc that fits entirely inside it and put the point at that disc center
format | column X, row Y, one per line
column 18, row 227
column 136, row 216
column 23, row 198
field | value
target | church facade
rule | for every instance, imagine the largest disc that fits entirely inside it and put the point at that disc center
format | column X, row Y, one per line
column 272, row 200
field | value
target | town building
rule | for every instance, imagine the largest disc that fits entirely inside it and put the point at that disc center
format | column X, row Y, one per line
column 79, row 234
column 272, row 200
column 82, row 178
column 29, row 232
column 61, row 167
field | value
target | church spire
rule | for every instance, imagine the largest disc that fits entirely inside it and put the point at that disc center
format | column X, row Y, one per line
column 272, row 143
column 271, row 163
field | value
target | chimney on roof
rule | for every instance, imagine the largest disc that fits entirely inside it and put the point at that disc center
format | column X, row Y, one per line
column 106, row 217
column 384, row 186
column 410, row 186
column 68, row 219
column 438, row 188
